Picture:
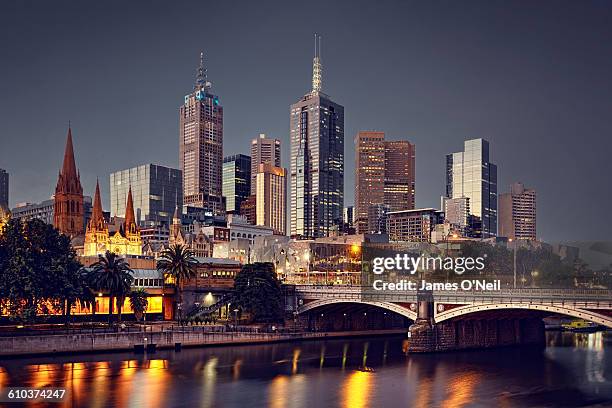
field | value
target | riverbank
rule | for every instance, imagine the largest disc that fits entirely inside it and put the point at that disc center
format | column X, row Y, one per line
column 105, row 342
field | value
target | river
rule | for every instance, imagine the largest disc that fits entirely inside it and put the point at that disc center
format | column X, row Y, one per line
column 573, row 370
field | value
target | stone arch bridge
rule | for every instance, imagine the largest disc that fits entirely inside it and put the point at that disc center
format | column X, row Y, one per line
column 461, row 319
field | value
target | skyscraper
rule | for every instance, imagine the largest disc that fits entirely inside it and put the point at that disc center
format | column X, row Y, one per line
column 236, row 181
column 68, row 209
column 517, row 213
column 384, row 174
column 201, row 146
column 156, row 190
column 4, row 188
column 317, row 160
column 271, row 196
column 399, row 175
column 369, row 175
column 470, row 174
column 263, row 150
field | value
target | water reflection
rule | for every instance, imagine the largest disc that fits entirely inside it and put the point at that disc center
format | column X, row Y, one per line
column 574, row 370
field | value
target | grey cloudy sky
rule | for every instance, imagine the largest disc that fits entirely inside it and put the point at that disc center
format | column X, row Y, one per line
column 534, row 78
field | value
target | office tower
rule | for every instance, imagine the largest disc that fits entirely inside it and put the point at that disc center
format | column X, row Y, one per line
column 236, row 181
column 384, row 174
column 4, row 188
column 201, row 146
column 369, row 175
column 317, row 161
column 271, row 196
column 517, row 213
column 68, row 207
column 399, row 175
column 470, row 174
column 263, row 150
column 457, row 214
column 156, row 191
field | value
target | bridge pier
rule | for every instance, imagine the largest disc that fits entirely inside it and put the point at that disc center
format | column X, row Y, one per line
column 471, row 331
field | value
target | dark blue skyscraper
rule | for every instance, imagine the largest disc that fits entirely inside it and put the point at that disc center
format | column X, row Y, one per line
column 236, row 181
column 317, row 161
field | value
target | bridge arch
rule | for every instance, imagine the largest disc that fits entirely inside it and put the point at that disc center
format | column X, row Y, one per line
column 393, row 307
column 563, row 310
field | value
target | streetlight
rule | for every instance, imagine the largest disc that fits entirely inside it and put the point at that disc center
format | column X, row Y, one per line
column 514, row 259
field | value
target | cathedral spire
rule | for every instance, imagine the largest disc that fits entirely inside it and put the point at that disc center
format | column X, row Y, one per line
column 130, row 220
column 69, row 170
column 317, row 67
column 97, row 216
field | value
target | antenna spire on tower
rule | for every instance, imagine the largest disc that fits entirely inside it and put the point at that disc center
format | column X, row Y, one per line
column 317, row 67
column 201, row 76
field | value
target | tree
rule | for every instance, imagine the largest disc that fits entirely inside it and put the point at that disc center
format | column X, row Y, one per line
column 139, row 302
column 257, row 290
column 112, row 274
column 38, row 270
column 178, row 263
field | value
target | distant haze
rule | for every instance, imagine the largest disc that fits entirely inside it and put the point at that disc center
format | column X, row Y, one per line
column 534, row 78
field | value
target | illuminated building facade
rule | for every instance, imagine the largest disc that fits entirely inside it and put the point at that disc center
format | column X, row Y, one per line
column 271, row 197
column 263, row 151
column 317, row 162
column 384, row 174
column 413, row 225
column 470, row 174
column 124, row 241
column 201, row 146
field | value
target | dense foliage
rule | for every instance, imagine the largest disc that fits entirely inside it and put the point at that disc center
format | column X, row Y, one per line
column 38, row 270
column 258, row 292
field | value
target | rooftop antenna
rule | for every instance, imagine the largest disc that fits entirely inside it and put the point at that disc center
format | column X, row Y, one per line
column 317, row 67
column 201, row 77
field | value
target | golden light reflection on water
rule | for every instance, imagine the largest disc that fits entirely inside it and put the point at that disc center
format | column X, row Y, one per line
column 356, row 389
column 424, row 393
column 151, row 380
column 460, row 391
column 43, row 375
column 123, row 384
column 74, row 374
column 294, row 362
column 210, row 380
column 101, row 384
column 277, row 394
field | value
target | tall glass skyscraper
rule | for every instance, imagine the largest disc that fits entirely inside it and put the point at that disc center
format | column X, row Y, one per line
column 4, row 188
column 470, row 174
column 201, row 146
column 236, row 181
column 317, row 161
column 156, row 192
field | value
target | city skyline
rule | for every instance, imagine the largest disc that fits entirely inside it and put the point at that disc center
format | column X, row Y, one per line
column 525, row 142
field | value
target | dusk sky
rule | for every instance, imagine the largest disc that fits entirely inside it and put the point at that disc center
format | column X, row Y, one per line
column 534, row 78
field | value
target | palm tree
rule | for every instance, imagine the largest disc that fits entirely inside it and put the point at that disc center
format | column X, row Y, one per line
column 112, row 274
column 139, row 302
column 178, row 263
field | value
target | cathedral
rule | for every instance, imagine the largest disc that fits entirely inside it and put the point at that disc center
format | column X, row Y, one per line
column 68, row 211
column 124, row 241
